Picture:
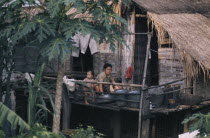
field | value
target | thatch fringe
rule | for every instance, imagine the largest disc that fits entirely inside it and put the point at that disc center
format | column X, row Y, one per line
column 193, row 61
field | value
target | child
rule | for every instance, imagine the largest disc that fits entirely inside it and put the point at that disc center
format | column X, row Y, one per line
column 89, row 78
column 90, row 85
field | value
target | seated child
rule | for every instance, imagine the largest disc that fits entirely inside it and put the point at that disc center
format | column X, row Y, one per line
column 90, row 85
column 89, row 78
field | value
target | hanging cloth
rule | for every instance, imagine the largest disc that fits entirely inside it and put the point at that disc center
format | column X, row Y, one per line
column 75, row 50
column 93, row 46
column 128, row 74
column 83, row 42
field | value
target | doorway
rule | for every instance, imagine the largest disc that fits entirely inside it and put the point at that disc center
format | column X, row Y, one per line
column 84, row 62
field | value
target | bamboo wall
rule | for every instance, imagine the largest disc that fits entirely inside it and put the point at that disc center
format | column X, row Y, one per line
column 202, row 86
column 170, row 68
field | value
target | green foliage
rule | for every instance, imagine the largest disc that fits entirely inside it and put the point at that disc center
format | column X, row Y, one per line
column 199, row 122
column 89, row 132
column 2, row 135
column 53, row 28
column 58, row 48
column 37, row 109
column 39, row 131
column 13, row 118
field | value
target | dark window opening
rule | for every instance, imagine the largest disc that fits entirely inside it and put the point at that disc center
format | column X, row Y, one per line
column 166, row 46
column 154, row 71
column 84, row 62
column 140, row 49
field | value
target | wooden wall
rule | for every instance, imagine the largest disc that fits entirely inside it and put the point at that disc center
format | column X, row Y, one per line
column 26, row 61
column 99, row 59
column 170, row 69
column 123, row 55
column 202, row 87
column 128, row 52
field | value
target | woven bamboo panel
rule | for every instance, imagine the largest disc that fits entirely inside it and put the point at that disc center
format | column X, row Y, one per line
column 170, row 68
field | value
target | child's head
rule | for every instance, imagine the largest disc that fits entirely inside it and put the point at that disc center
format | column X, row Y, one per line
column 89, row 74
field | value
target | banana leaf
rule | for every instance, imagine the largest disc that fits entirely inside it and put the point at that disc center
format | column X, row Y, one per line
column 15, row 120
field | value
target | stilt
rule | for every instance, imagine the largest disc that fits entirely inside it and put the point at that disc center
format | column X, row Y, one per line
column 116, row 123
column 66, row 110
column 143, row 132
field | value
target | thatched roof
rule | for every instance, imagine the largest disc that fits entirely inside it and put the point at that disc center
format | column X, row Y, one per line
column 187, row 23
column 176, row 6
column 190, row 33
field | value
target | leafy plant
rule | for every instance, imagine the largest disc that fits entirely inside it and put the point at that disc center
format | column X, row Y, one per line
column 2, row 135
column 25, row 130
column 89, row 132
column 38, row 131
column 199, row 122
column 52, row 30
column 37, row 109
column 13, row 118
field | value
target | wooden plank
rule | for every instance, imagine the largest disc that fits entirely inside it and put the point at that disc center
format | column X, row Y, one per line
column 170, row 68
column 167, row 53
column 141, row 15
column 98, row 106
column 165, row 41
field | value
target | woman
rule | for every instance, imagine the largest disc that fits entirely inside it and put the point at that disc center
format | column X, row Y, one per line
column 106, row 76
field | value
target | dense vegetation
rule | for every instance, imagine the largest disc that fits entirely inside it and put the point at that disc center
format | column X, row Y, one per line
column 50, row 29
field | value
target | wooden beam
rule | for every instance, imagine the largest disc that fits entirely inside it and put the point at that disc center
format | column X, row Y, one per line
column 141, row 15
column 120, row 84
column 95, row 82
column 133, row 20
column 165, row 41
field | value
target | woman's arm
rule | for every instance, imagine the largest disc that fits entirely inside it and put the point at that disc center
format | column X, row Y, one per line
column 100, row 79
column 100, row 87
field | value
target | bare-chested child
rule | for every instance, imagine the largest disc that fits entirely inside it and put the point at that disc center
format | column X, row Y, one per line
column 89, row 78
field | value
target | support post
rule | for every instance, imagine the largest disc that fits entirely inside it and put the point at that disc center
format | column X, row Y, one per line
column 144, row 132
column 153, row 128
column 116, row 123
column 66, row 110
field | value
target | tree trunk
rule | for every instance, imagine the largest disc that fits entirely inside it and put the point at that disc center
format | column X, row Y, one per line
column 58, row 98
